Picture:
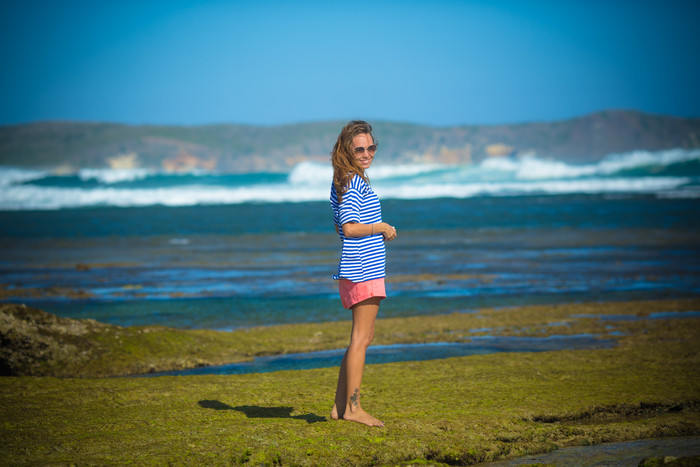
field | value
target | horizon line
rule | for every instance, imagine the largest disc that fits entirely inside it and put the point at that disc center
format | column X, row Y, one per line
column 334, row 120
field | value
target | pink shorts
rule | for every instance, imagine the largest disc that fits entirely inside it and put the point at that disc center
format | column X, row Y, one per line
column 352, row 293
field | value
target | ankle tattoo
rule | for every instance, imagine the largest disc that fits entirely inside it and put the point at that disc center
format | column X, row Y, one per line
column 355, row 398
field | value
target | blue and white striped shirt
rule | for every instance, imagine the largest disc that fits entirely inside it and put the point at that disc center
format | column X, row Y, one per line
column 363, row 258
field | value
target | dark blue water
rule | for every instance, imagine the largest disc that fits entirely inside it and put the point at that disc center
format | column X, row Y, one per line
column 523, row 212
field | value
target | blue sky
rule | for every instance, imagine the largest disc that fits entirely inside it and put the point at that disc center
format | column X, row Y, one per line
column 276, row 62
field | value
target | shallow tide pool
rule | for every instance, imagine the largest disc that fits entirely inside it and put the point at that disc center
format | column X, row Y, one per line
column 480, row 345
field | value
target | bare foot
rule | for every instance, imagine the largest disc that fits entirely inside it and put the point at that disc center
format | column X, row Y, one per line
column 334, row 412
column 360, row 416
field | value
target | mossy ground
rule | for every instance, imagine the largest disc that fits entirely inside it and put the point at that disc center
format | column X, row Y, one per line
column 99, row 350
column 456, row 411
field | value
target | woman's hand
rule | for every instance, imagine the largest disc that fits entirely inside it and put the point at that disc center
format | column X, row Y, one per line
column 388, row 231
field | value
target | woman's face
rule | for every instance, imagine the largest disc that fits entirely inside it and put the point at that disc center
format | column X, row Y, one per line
column 364, row 149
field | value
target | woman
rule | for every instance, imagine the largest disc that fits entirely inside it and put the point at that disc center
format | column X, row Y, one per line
column 358, row 220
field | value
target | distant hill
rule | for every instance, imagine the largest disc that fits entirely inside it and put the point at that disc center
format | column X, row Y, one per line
column 65, row 146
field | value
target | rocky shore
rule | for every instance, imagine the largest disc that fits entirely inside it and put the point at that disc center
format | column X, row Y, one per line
column 455, row 411
column 37, row 343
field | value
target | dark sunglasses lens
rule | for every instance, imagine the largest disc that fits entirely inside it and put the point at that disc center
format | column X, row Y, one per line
column 372, row 149
column 359, row 150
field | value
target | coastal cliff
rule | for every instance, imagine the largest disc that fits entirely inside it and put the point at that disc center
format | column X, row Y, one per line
column 66, row 146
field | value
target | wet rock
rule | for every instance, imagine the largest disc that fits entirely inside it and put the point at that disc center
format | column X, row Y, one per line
column 33, row 341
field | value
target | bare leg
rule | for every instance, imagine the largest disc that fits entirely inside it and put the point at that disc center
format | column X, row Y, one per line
column 340, row 393
column 347, row 399
column 341, row 396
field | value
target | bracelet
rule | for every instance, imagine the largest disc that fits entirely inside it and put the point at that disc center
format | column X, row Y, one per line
column 372, row 229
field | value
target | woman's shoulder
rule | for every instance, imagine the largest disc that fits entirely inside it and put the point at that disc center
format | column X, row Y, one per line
column 357, row 182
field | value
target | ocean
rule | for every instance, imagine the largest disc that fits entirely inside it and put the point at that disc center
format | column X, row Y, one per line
column 226, row 251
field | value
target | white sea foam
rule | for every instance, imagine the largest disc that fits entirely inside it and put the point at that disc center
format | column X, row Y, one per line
column 23, row 197
column 314, row 173
column 533, row 168
column 311, row 173
column 616, row 162
column 310, row 181
column 110, row 176
column 14, row 175
column 26, row 197
column 501, row 164
column 536, row 169
column 650, row 185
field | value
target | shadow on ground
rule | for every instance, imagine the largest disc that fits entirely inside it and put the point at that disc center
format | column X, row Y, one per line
column 254, row 411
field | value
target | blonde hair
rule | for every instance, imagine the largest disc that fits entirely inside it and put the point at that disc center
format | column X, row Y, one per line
column 345, row 165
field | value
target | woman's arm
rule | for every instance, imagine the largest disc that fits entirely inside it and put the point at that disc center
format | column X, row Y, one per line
column 355, row 230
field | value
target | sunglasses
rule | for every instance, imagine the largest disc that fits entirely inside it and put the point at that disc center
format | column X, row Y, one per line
column 371, row 149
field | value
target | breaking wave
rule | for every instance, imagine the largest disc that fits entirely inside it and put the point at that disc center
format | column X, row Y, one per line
column 670, row 174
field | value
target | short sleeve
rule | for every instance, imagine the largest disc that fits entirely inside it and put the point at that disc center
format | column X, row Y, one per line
column 349, row 209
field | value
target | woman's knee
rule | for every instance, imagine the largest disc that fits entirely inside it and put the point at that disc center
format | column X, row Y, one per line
column 362, row 340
